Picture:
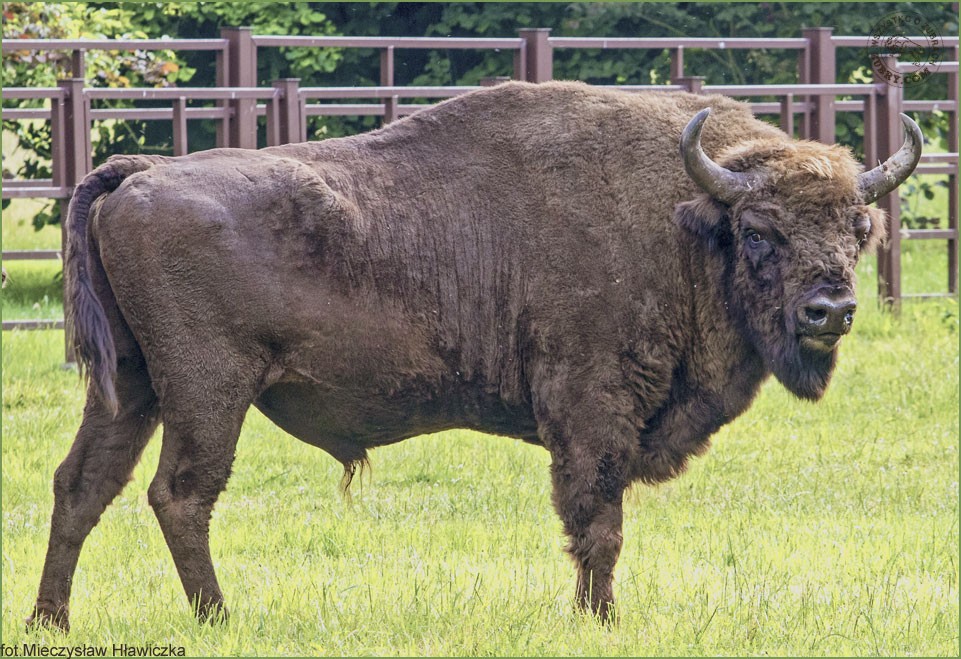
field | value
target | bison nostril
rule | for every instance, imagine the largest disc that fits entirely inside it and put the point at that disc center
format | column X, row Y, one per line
column 827, row 315
column 815, row 315
column 845, row 310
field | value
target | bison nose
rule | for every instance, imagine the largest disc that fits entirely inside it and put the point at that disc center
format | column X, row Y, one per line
column 826, row 317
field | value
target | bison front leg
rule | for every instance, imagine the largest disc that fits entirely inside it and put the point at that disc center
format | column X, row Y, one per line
column 195, row 463
column 590, row 444
column 591, row 512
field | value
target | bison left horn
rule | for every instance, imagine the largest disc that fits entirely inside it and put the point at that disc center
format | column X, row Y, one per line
column 722, row 184
column 884, row 178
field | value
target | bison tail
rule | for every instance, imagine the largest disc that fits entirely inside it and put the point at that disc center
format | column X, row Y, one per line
column 87, row 326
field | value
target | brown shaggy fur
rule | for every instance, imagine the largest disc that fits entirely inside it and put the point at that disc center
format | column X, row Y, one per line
column 528, row 260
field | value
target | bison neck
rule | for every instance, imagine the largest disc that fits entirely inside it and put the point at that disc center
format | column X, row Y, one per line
column 715, row 378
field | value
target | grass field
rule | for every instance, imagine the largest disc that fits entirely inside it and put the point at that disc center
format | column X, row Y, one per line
column 810, row 530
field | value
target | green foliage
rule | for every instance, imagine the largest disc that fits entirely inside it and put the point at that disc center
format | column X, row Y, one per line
column 143, row 68
column 616, row 19
column 188, row 20
column 74, row 20
column 70, row 20
column 914, row 214
column 204, row 20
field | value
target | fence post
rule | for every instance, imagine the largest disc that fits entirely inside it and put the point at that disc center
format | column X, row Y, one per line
column 222, row 79
column 72, row 121
column 78, row 64
column 288, row 117
column 889, row 139
column 821, row 70
column 180, row 126
column 677, row 64
column 540, row 55
column 870, row 117
column 241, row 72
column 693, row 84
column 804, row 78
column 58, row 140
column 787, row 114
column 78, row 159
column 953, row 180
column 387, row 80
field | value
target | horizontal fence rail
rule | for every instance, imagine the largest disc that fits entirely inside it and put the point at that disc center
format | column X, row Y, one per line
column 806, row 109
column 430, row 43
column 709, row 43
column 113, row 44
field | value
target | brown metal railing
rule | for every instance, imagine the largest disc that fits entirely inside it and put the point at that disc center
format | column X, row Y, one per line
column 810, row 104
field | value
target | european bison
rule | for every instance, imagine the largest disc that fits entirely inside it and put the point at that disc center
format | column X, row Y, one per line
column 536, row 261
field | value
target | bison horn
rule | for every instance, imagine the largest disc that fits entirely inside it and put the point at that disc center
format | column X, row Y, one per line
column 720, row 183
column 884, row 178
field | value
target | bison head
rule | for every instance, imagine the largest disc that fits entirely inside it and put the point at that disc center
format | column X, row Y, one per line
column 790, row 219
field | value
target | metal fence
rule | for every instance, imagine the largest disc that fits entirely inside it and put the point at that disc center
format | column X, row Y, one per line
column 807, row 108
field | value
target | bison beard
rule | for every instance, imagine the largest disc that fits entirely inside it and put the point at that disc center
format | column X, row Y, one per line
column 808, row 375
column 805, row 373
column 534, row 261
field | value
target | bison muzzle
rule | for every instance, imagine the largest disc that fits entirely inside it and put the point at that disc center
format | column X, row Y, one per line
column 540, row 262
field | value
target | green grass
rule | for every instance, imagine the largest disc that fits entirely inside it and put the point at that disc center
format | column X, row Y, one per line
column 18, row 230
column 827, row 529
column 34, row 288
column 34, row 291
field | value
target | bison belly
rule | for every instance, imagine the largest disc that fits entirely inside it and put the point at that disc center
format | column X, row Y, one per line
column 347, row 422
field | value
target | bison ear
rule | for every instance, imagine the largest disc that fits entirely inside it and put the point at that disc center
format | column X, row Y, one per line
column 706, row 218
column 872, row 229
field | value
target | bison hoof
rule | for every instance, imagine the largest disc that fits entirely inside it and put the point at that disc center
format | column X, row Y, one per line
column 44, row 618
column 212, row 613
column 605, row 613
column 602, row 612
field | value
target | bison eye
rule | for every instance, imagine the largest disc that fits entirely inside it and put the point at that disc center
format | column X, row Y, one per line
column 758, row 249
column 861, row 230
column 755, row 238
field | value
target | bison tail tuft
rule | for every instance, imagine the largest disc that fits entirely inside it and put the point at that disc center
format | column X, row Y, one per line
column 87, row 325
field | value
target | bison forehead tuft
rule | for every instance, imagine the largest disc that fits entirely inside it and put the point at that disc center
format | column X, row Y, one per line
column 827, row 174
column 819, row 166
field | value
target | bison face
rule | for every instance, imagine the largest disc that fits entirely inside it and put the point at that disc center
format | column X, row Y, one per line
column 789, row 221
column 790, row 281
column 788, row 276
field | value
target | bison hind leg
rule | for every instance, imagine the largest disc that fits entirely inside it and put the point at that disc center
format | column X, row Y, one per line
column 98, row 466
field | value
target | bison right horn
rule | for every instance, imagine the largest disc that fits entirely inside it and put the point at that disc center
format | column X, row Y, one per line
column 722, row 184
column 884, row 178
